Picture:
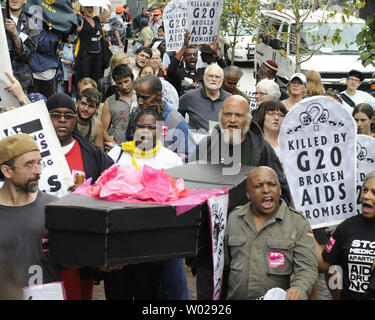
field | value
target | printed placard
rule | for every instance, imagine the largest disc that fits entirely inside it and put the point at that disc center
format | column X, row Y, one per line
column 204, row 20
column 34, row 120
column 318, row 146
column 365, row 162
column 175, row 17
column 218, row 209
column 48, row 291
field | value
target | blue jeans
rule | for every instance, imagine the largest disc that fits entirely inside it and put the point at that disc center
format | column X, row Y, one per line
column 174, row 285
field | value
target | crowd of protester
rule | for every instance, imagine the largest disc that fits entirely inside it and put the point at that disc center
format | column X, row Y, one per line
column 162, row 111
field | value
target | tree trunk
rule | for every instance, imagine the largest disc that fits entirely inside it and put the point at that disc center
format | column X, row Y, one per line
column 298, row 44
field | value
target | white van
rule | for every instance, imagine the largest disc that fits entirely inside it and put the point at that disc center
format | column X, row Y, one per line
column 332, row 61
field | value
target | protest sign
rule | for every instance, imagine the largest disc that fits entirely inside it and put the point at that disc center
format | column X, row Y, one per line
column 318, row 147
column 365, row 162
column 48, row 291
column 175, row 22
column 6, row 99
column 204, row 20
column 218, row 208
column 34, row 120
column 58, row 14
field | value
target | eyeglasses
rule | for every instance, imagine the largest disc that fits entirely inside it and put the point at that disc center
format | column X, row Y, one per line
column 274, row 114
column 145, row 126
column 259, row 93
column 33, row 167
column 156, row 15
column 57, row 115
column 353, row 79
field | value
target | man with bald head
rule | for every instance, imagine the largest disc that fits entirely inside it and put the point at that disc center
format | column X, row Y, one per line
column 237, row 141
column 267, row 244
column 234, row 142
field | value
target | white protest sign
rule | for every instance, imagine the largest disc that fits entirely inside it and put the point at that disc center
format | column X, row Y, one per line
column 318, row 146
column 175, row 22
column 204, row 20
column 6, row 99
column 365, row 162
column 48, row 291
column 34, row 120
column 218, row 208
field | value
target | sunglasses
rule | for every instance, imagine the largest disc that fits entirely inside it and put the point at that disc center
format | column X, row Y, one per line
column 57, row 116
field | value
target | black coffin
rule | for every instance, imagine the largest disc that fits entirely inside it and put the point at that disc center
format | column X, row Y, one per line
column 88, row 232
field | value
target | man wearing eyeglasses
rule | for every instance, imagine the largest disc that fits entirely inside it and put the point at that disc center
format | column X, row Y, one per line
column 204, row 104
column 23, row 236
column 83, row 158
column 352, row 96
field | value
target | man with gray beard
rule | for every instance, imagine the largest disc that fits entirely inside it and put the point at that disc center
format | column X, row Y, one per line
column 235, row 141
column 23, row 236
column 204, row 104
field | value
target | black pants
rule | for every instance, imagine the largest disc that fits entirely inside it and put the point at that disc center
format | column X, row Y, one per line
column 46, row 87
column 138, row 281
column 88, row 65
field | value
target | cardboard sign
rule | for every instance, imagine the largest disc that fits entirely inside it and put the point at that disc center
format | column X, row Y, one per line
column 6, row 99
column 365, row 162
column 175, row 18
column 34, row 120
column 49, row 291
column 318, row 147
column 204, row 20
column 218, row 208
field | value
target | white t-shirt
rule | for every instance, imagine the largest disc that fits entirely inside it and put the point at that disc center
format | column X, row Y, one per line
column 164, row 159
column 359, row 97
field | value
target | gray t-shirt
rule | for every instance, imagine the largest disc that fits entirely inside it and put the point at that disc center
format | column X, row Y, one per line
column 200, row 108
column 24, row 238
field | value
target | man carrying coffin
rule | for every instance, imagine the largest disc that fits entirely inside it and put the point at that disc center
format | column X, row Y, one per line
column 84, row 158
column 235, row 141
column 267, row 244
column 23, row 236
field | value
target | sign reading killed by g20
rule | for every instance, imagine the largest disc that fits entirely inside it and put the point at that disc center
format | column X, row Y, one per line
column 175, row 17
column 34, row 120
column 318, row 147
column 203, row 20
column 365, row 162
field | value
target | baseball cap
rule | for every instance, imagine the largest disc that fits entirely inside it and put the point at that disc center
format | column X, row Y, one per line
column 299, row 76
column 157, row 11
column 144, row 21
column 16, row 145
column 119, row 9
column 34, row 97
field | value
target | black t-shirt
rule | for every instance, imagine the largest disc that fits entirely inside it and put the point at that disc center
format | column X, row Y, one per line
column 24, row 238
column 352, row 246
column 90, row 36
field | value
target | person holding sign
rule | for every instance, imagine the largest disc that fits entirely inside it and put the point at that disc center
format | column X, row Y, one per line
column 352, row 246
column 23, row 236
column 268, row 244
column 22, row 42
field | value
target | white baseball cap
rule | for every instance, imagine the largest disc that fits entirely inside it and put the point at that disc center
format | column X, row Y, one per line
column 299, row 76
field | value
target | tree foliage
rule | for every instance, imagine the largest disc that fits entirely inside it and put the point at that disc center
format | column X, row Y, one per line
column 298, row 11
column 237, row 16
column 366, row 42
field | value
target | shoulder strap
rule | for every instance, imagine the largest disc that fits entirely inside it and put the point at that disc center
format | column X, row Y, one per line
column 349, row 101
column 119, row 156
